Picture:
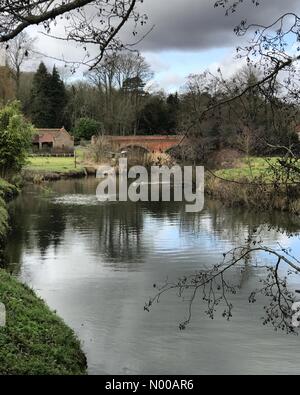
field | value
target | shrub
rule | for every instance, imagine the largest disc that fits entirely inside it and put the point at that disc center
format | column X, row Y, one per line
column 15, row 139
column 86, row 128
column 160, row 159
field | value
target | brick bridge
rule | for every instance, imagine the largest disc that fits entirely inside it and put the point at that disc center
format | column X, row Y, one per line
column 148, row 143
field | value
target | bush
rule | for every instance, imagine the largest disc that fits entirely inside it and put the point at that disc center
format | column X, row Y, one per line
column 7, row 192
column 100, row 150
column 160, row 159
column 86, row 128
column 15, row 139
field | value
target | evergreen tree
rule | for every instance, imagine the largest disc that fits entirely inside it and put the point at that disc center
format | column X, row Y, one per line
column 173, row 104
column 134, row 86
column 58, row 97
column 48, row 98
column 41, row 104
column 154, row 117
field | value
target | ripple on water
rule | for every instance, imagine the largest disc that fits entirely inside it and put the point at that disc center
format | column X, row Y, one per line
column 77, row 200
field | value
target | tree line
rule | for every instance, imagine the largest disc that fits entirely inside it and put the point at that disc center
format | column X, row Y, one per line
column 116, row 98
column 113, row 98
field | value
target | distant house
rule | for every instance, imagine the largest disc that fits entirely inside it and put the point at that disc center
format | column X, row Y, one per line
column 57, row 141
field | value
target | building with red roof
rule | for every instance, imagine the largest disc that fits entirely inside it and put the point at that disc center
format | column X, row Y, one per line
column 53, row 141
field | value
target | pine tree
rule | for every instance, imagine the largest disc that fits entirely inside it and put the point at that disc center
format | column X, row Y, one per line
column 48, row 98
column 173, row 104
column 134, row 86
column 41, row 111
column 58, row 97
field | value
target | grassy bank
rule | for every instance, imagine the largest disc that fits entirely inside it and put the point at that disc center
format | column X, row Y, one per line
column 248, row 169
column 7, row 192
column 52, row 164
column 52, row 168
column 34, row 340
column 251, row 184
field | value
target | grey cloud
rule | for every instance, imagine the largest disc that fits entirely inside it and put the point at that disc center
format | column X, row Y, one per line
column 196, row 24
column 179, row 25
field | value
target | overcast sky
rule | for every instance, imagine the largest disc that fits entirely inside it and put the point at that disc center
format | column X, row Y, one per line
column 189, row 36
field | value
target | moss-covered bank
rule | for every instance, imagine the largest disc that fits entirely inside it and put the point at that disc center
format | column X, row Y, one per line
column 34, row 340
column 7, row 192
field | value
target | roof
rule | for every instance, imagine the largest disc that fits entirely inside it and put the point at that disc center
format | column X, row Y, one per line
column 48, row 135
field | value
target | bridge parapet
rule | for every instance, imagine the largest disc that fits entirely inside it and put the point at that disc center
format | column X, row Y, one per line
column 150, row 143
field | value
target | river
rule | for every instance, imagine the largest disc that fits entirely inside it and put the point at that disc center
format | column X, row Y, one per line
column 96, row 263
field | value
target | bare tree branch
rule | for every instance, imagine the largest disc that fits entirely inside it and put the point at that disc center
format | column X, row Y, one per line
column 86, row 23
column 215, row 288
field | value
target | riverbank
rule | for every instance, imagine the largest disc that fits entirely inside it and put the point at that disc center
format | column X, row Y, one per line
column 41, row 169
column 37, row 176
column 252, row 184
column 34, row 339
column 7, row 192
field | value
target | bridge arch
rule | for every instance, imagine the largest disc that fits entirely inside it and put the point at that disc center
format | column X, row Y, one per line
column 150, row 143
column 137, row 147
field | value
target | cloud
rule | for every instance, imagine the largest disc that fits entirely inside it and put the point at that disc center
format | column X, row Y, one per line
column 181, row 27
column 229, row 65
column 171, row 82
column 157, row 64
column 184, row 25
column 197, row 24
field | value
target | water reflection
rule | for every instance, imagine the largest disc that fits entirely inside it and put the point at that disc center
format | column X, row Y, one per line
column 96, row 263
column 115, row 230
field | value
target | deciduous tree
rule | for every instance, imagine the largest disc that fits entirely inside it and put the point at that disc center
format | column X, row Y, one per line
column 18, row 52
column 87, row 22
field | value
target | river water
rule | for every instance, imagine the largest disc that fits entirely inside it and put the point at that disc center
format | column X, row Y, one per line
column 96, row 263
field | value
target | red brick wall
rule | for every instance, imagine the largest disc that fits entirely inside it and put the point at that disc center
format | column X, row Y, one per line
column 151, row 143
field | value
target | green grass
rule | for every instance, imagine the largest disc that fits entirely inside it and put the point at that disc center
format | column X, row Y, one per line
column 80, row 153
column 52, row 164
column 7, row 190
column 35, row 341
column 248, row 168
column 259, row 183
column 3, row 221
